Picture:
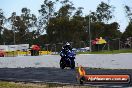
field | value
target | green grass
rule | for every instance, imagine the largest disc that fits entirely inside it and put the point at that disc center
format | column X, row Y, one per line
column 20, row 85
column 38, row 85
column 108, row 52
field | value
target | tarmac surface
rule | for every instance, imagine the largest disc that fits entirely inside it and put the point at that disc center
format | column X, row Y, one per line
column 111, row 61
column 57, row 75
column 46, row 69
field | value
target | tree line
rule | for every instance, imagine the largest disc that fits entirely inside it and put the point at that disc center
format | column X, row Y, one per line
column 68, row 23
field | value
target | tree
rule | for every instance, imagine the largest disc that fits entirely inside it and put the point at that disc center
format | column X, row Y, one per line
column 2, row 20
column 61, row 27
column 30, row 22
column 58, row 28
column 22, row 26
column 79, row 11
column 65, row 24
column 111, row 31
column 128, row 31
column 66, row 9
column 128, row 11
column 29, row 19
column 99, row 22
column 2, row 17
column 104, row 12
column 8, row 36
column 46, row 11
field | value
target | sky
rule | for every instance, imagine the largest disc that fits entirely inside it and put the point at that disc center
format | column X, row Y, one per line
column 9, row 6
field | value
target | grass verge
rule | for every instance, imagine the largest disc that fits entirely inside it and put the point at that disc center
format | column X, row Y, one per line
column 108, row 52
column 4, row 84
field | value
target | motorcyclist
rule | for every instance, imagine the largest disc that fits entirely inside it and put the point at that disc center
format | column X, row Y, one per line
column 66, row 48
column 67, row 57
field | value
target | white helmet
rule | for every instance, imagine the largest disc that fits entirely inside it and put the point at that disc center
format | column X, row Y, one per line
column 67, row 44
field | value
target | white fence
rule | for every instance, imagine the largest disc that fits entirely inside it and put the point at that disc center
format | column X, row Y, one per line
column 21, row 47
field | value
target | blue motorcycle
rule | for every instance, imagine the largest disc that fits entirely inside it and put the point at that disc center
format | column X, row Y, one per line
column 67, row 59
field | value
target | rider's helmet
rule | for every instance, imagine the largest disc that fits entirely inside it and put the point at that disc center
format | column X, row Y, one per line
column 67, row 46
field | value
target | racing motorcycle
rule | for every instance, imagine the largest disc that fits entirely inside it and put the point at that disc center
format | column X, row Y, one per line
column 67, row 60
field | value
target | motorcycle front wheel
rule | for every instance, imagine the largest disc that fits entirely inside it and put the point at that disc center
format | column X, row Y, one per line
column 62, row 64
column 72, row 64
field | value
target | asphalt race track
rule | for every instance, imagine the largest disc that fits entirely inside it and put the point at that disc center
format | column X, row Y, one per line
column 55, row 75
column 111, row 61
